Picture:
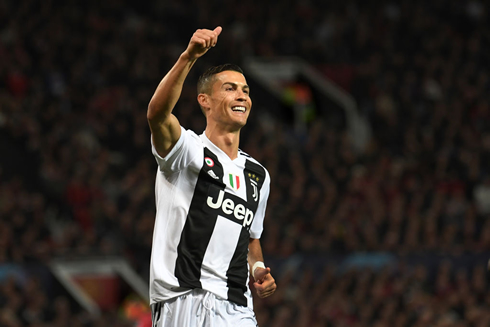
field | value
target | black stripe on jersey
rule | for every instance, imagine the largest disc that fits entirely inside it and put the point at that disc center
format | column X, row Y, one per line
column 244, row 153
column 199, row 224
column 254, row 176
column 237, row 271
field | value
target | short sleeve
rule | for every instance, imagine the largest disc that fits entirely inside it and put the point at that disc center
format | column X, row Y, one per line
column 258, row 223
column 186, row 148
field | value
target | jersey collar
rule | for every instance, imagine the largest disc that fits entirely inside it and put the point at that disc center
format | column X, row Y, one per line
column 239, row 161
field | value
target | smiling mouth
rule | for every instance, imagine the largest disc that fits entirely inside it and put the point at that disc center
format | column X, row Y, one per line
column 238, row 109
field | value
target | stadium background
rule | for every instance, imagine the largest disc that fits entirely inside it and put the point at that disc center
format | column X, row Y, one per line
column 394, row 235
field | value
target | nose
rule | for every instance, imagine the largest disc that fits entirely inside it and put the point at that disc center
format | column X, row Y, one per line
column 241, row 96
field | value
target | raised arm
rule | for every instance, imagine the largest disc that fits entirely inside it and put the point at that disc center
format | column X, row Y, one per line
column 165, row 127
column 264, row 283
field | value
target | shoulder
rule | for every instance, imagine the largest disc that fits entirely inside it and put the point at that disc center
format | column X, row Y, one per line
column 185, row 151
column 248, row 157
column 191, row 139
column 191, row 135
column 252, row 164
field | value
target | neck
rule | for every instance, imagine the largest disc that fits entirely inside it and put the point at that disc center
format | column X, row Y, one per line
column 227, row 141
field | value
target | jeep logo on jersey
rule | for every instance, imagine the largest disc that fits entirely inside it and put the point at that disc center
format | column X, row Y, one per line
column 235, row 212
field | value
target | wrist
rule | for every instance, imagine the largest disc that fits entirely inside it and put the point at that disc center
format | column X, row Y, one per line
column 257, row 264
column 185, row 56
column 188, row 56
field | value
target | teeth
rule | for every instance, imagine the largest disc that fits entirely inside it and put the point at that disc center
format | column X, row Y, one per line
column 241, row 109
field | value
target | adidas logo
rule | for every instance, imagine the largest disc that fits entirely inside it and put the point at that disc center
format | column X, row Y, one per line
column 212, row 174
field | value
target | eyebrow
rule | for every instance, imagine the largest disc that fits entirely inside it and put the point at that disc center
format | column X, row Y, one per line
column 236, row 85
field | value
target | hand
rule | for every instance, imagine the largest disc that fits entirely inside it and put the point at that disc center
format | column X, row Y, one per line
column 202, row 40
column 264, row 284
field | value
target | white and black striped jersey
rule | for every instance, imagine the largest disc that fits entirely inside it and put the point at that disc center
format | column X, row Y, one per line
column 207, row 208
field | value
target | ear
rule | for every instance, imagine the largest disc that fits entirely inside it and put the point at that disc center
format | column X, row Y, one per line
column 203, row 100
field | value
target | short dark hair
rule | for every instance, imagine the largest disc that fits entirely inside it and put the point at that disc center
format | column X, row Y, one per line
column 206, row 80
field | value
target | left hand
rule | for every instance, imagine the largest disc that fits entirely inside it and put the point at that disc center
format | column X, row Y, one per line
column 264, row 284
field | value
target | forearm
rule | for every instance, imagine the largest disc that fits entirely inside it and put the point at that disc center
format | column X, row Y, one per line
column 254, row 252
column 165, row 127
column 169, row 89
column 264, row 283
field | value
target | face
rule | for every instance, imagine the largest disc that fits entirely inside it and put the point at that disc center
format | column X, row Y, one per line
column 229, row 103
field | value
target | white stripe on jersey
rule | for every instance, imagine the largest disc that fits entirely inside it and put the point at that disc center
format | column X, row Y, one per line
column 218, row 255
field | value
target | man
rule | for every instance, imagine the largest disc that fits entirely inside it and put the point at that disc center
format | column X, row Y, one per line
column 211, row 199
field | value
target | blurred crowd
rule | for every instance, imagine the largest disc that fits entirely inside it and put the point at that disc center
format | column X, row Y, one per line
column 77, row 174
column 386, row 298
